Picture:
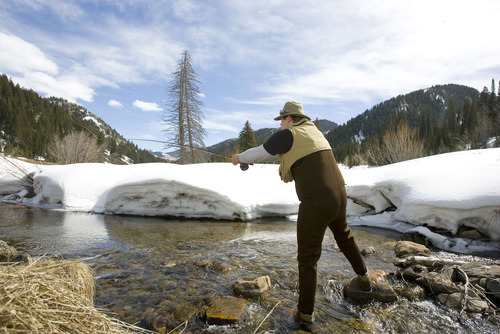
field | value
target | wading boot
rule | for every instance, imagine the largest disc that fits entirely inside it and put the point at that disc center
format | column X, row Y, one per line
column 304, row 320
column 364, row 282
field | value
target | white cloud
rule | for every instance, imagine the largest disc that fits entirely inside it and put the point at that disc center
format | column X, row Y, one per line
column 64, row 9
column 211, row 125
column 18, row 56
column 333, row 55
column 114, row 103
column 68, row 87
column 339, row 51
column 189, row 11
column 31, row 68
column 249, row 102
column 147, row 106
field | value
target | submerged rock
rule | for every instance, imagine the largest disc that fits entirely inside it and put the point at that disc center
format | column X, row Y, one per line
column 368, row 251
column 252, row 289
column 411, row 291
column 381, row 289
column 215, row 265
column 227, row 310
column 158, row 322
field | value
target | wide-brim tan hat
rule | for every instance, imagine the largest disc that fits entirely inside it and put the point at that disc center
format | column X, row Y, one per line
column 292, row 108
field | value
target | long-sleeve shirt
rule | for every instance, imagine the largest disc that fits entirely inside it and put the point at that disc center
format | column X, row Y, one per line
column 279, row 143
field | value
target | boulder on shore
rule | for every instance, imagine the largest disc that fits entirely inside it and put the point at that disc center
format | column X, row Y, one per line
column 407, row 248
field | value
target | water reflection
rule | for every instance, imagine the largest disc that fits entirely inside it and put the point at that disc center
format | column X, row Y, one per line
column 138, row 230
column 39, row 232
column 80, row 228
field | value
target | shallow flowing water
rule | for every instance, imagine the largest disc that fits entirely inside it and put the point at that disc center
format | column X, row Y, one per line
column 151, row 266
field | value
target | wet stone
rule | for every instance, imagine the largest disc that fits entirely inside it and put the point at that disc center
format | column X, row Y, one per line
column 7, row 252
column 10, row 254
column 413, row 273
column 407, row 248
column 169, row 285
column 221, row 267
column 456, row 301
column 184, row 311
column 227, row 310
column 368, row 251
column 252, row 289
column 438, row 283
column 470, row 234
column 215, row 265
column 381, row 289
column 158, row 322
column 493, row 286
column 412, row 292
column 481, row 270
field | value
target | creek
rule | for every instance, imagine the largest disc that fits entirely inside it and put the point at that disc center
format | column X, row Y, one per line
column 147, row 265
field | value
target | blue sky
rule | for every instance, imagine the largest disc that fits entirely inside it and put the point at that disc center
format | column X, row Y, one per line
column 338, row 58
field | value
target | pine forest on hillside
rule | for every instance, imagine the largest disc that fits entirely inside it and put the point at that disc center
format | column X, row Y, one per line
column 30, row 125
column 441, row 119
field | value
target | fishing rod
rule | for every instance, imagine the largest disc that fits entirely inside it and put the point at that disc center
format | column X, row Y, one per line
column 243, row 165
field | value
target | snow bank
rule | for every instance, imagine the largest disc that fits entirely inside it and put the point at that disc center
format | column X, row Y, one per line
column 444, row 191
column 214, row 190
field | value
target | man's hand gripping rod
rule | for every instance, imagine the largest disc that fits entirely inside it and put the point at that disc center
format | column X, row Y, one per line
column 244, row 166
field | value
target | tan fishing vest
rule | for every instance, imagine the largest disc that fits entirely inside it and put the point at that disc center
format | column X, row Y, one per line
column 307, row 139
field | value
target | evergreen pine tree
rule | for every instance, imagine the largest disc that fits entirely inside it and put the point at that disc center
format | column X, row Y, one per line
column 317, row 123
column 451, row 124
column 246, row 138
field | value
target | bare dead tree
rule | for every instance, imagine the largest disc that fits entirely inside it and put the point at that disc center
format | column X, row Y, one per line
column 183, row 114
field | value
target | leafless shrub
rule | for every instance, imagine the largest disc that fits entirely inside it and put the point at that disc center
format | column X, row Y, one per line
column 77, row 147
column 398, row 144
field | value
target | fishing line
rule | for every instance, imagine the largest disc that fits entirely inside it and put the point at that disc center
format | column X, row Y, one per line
column 243, row 166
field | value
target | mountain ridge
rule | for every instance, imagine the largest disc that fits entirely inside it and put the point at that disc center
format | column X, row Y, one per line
column 39, row 119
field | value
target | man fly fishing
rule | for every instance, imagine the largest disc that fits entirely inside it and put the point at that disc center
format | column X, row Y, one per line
column 306, row 157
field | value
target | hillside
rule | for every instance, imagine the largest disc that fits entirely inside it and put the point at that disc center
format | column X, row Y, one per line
column 29, row 123
column 433, row 101
column 439, row 119
column 446, row 117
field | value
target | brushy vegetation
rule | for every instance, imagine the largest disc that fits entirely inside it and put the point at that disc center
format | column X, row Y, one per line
column 52, row 296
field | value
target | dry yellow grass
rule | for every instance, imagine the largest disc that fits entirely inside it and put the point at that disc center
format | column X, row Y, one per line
column 52, row 296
